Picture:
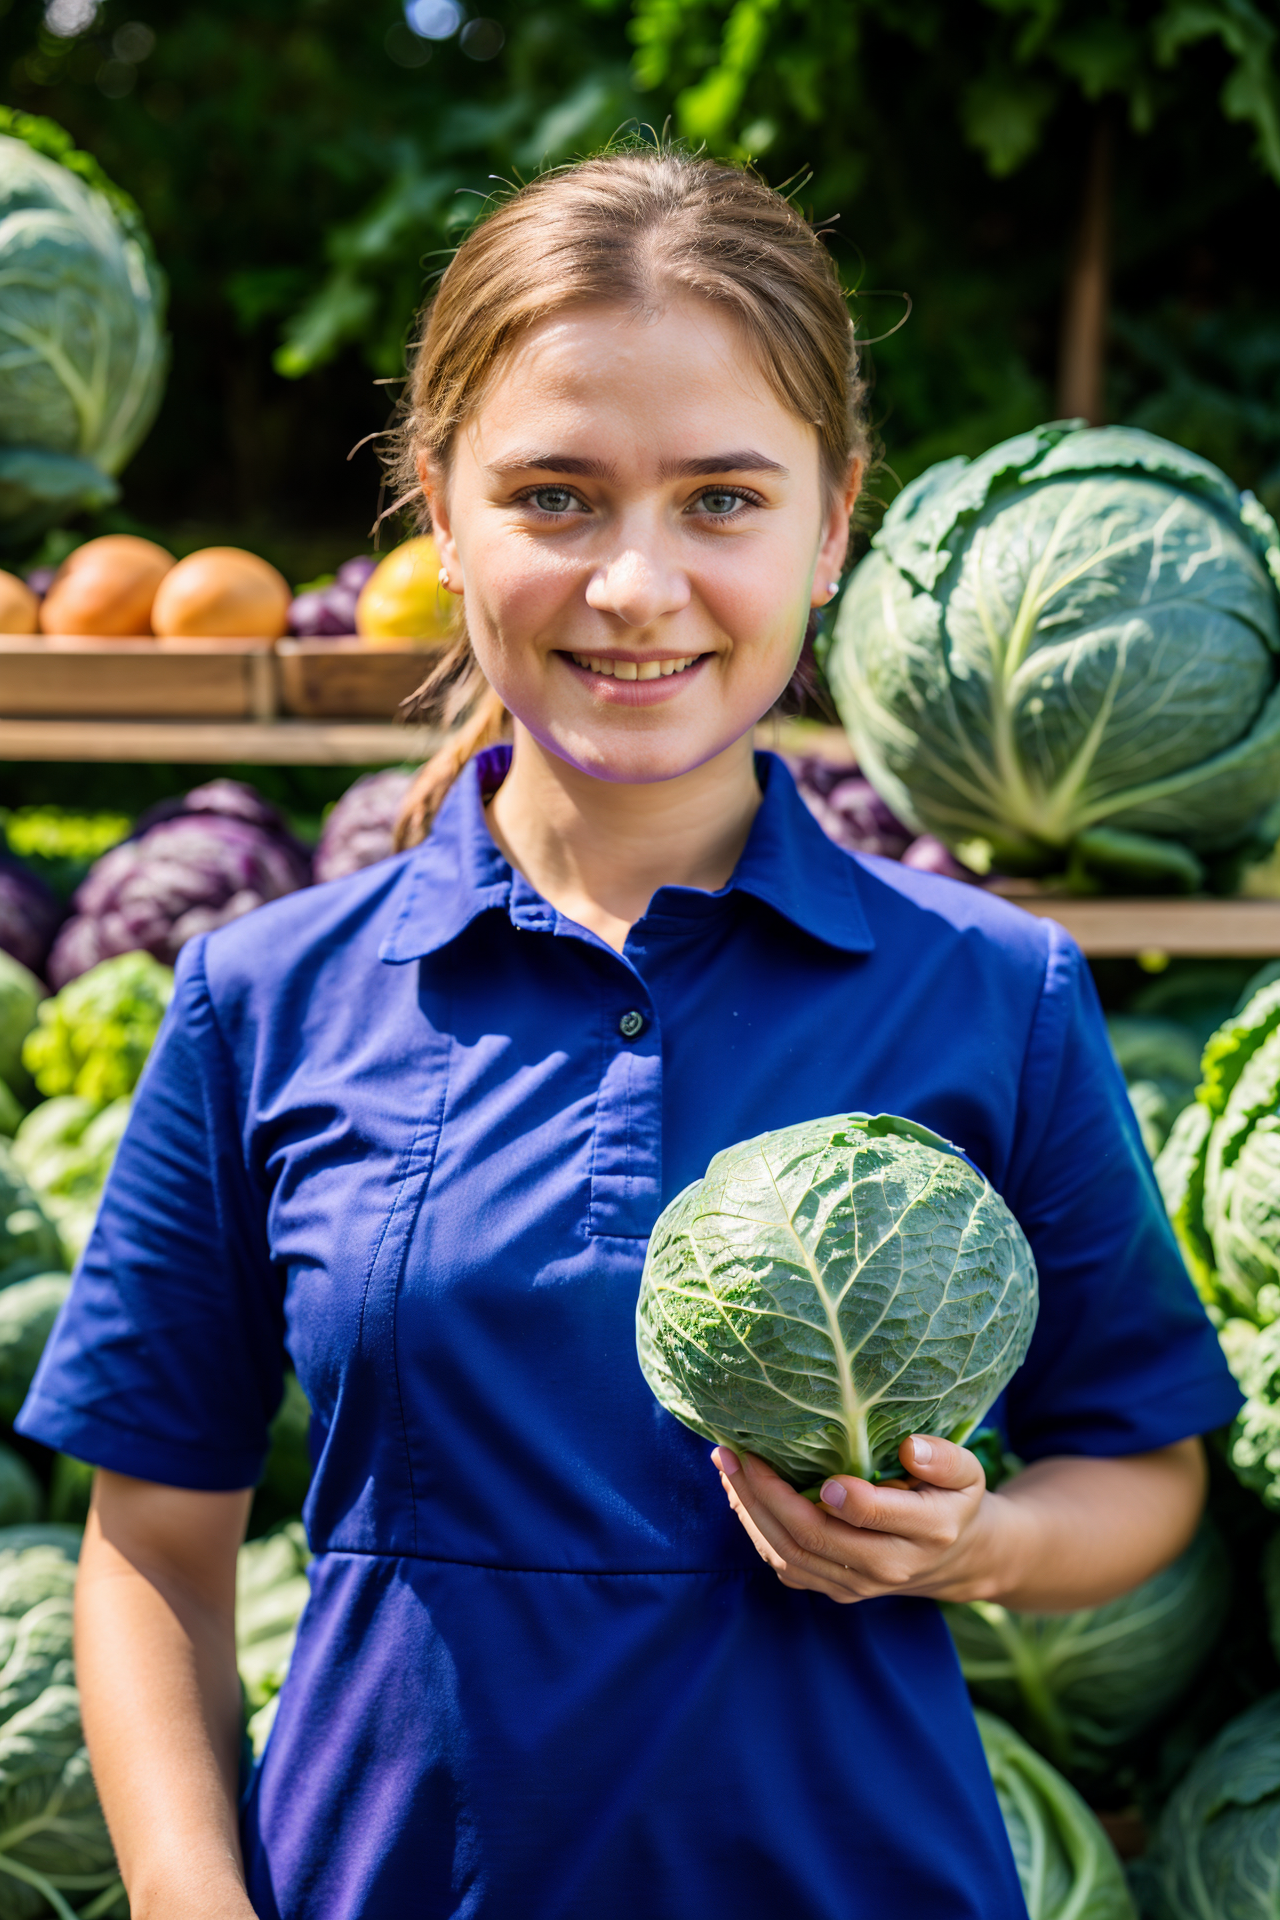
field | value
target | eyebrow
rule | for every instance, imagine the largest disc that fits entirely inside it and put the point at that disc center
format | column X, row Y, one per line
column 742, row 460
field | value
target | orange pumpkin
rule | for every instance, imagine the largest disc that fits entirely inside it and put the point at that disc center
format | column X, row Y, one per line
column 222, row 592
column 106, row 587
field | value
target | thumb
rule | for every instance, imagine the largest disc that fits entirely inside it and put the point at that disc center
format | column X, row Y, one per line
column 941, row 1463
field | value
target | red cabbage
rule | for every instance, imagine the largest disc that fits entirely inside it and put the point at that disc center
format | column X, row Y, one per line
column 191, row 865
column 359, row 830
column 30, row 913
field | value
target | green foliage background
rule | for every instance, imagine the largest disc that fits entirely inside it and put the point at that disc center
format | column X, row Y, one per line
column 302, row 184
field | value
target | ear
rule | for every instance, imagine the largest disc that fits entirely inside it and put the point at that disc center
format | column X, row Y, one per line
column 835, row 535
column 431, row 476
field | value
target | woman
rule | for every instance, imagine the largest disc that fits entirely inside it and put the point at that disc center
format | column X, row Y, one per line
column 416, row 1127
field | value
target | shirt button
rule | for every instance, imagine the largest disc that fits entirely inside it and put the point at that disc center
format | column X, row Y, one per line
column 631, row 1024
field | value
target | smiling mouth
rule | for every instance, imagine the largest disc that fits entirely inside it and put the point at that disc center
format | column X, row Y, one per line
column 634, row 669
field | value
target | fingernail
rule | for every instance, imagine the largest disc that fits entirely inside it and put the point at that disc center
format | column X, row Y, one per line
column 832, row 1494
column 727, row 1462
column 921, row 1452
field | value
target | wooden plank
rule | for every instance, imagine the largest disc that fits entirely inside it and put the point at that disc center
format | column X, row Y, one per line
column 62, row 676
column 346, row 678
column 299, row 743
column 1185, row 928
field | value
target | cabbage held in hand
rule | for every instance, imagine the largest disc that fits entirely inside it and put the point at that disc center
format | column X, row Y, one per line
column 830, row 1288
column 1065, row 656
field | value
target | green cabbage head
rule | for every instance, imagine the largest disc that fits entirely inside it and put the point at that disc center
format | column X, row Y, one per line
column 1217, row 1849
column 1082, row 1686
column 83, row 352
column 830, row 1288
column 1064, row 656
column 1066, row 1864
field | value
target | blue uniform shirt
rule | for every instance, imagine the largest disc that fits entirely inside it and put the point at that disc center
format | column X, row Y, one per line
column 409, row 1127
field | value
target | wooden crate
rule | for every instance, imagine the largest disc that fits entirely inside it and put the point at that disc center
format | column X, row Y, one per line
column 346, row 679
column 65, row 676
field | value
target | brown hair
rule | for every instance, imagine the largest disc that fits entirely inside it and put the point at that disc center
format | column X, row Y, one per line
column 633, row 227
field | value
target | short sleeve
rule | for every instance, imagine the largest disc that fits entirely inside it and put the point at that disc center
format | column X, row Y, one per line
column 166, row 1362
column 1124, row 1358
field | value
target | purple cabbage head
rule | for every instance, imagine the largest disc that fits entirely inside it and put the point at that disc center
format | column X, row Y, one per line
column 359, row 830
column 849, row 810
column 328, row 611
column 190, row 865
column 29, row 913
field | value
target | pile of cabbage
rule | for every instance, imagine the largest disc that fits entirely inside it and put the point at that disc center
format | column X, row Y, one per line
column 1063, row 658
column 83, row 352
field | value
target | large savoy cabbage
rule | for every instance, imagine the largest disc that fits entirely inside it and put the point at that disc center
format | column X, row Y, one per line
column 1065, row 655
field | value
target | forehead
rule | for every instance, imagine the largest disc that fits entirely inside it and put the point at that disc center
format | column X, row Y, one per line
column 605, row 378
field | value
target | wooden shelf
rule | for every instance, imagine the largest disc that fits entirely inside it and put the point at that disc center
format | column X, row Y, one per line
column 275, row 743
column 1204, row 929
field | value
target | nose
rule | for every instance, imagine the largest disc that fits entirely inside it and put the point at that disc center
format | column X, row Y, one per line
column 638, row 584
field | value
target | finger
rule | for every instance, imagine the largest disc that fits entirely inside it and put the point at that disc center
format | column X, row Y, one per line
column 919, row 1508
column 797, row 1531
column 784, row 1558
column 941, row 1463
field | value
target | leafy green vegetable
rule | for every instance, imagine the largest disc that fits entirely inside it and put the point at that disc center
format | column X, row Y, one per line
column 271, row 1591
column 1082, row 1686
column 1066, row 1864
column 1064, row 654
column 10, row 1112
column 65, row 1147
column 1218, row 1171
column 28, row 1310
column 20, row 996
column 20, row 1498
column 82, row 349
column 1160, row 1061
column 1217, row 1850
column 93, row 1038
column 830, row 1288
column 28, row 1239
column 1219, row 1174
column 60, row 843
column 55, row 1852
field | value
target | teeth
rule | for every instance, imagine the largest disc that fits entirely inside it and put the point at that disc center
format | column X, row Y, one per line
column 631, row 669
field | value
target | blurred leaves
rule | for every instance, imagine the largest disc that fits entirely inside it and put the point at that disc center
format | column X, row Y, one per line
column 304, row 185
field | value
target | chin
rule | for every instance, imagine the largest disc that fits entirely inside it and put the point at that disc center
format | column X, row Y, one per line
column 638, row 763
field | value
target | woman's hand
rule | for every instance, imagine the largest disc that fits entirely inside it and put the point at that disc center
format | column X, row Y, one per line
column 1064, row 1533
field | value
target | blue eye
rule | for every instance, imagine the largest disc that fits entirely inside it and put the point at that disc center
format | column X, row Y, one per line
column 719, row 504
column 552, row 499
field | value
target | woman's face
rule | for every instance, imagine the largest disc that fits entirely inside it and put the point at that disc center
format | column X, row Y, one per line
column 639, row 528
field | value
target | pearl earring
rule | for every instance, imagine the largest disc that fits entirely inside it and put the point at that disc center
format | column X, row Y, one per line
column 444, row 578
column 833, row 588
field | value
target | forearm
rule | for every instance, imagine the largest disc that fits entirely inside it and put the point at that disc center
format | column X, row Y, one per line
column 155, row 1659
column 1072, row 1532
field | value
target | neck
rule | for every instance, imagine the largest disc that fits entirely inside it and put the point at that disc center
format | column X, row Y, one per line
column 599, row 851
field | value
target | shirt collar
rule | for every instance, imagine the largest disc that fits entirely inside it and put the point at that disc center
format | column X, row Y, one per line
column 458, row 873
